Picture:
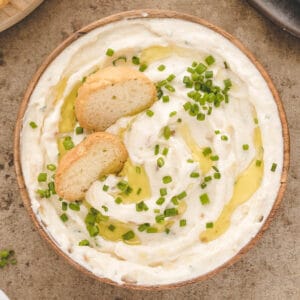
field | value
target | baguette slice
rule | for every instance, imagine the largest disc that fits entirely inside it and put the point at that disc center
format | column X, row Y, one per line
column 3, row 3
column 99, row 154
column 110, row 94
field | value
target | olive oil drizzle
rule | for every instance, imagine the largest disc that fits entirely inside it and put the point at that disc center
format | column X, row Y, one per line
column 205, row 163
column 245, row 186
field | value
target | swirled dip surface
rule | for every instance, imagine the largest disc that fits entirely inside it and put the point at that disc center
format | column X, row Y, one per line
column 213, row 187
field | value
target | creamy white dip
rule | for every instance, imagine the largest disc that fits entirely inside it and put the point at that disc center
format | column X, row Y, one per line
column 179, row 255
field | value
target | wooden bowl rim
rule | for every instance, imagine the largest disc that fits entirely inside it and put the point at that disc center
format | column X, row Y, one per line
column 137, row 14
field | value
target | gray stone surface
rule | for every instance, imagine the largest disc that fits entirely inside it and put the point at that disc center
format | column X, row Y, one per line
column 268, row 271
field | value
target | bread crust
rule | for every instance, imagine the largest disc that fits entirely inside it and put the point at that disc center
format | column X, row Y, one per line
column 3, row 3
column 102, row 79
column 80, row 151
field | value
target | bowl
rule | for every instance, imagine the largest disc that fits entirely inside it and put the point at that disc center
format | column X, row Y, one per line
column 134, row 15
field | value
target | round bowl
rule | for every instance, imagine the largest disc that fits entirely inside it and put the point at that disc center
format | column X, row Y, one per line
column 149, row 14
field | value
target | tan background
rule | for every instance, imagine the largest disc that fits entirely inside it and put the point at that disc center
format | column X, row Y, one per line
column 269, row 271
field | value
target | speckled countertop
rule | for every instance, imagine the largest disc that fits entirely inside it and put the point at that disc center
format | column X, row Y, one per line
column 271, row 270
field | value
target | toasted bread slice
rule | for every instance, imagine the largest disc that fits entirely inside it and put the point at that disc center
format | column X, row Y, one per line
column 3, row 3
column 99, row 154
column 110, row 94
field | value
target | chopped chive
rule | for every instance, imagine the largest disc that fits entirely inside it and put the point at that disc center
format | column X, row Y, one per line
column 214, row 157
column 160, row 201
column 122, row 185
column 102, row 178
column 111, row 227
column 245, row 147
column 138, row 169
column 200, row 68
column 255, row 121
column 119, row 58
column 187, row 106
column 64, row 206
column 156, row 210
column 174, row 200
column 167, row 132
column 151, row 230
column 159, row 218
column 170, row 88
column 203, row 185
column 83, row 79
column 209, row 225
column 105, row 188
column 143, row 227
column 206, row 151
column 227, row 83
column 216, row 169
column 128, row 190
column 105, row 208
column 163, row 192
column 42, row 177
column 258, row 163
column 92, row 229
column 160, row 162
column 204, row 199
column 64, row 217
column 162, row 83
column 167, row 179
column 190, row 161
column 135, row 60
column 84, row 243
column 169, row 212
column 51, row 187
column 209, row 74
column 51, row 167
column 79, row 130
column 217, row 131
column 110, row 52
column 156, row 149
column 143, row 67
column 181, row 195
column 201, row 117
column 129, row 235
column 161, row 68
column 207, row 178
column 139, row 191
column 42, row 193
column 210, row 60
column 33, row 125
column 172, row 114
column 165, row 151
column 68, row 143
column 274, row 166
column 118, row 200
column 74, row 206
column 141, row 206
column 194, row 175
column 165, row 98
column 182, row 222
column 167, row 230
column 171, row 77
column 149, row 113
column 226, row 65
column 179, row 120
column 224, row 138
column 209, row 110
column 159, row 92
column 217, row 175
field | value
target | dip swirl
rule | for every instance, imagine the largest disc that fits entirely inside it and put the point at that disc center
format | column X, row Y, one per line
column 202, row 175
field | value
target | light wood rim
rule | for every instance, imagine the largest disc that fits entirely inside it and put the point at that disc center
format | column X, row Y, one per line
column 22, row 10
column 150, row 13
